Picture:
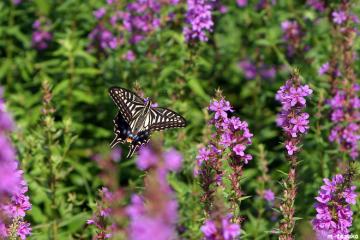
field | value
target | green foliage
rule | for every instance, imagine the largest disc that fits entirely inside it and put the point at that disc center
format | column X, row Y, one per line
column 55, row 150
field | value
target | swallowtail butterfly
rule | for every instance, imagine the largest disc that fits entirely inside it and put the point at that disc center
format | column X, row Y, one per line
column 137, row 119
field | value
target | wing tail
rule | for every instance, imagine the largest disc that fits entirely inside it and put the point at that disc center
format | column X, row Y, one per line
column 132, row 149
column 115, row 141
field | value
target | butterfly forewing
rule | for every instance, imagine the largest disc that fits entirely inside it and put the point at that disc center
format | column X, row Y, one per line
column 129, row 103
column 163, row 118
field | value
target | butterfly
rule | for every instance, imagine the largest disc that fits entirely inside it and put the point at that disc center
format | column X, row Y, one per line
column 138, row 118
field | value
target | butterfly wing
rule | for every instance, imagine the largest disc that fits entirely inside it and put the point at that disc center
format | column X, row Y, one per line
column 121, row 128
column 163, row 118
column 128, row 102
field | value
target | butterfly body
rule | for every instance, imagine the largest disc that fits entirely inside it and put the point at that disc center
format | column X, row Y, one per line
column 137, row 119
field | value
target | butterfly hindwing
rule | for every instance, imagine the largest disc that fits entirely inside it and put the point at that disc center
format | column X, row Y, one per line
column 121, row 128
column 163, row 118
column 129, row 103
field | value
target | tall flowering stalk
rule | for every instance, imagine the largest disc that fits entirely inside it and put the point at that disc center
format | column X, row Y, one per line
column 13, row 200
column 109, row 217
column 334, row 215
column 229, row 143
column 295, row 123
column 154, row 212
column 345, row 102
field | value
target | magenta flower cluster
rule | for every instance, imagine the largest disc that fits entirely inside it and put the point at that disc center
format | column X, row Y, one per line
column 292, row 119
column 13, row 201
column 199, row 20
column 346, row 118
column 225, row 230
column 41, row 36
column 138, row 20
column 250, row 70
column 334, row 215
column 231, row 132
column 158, row 216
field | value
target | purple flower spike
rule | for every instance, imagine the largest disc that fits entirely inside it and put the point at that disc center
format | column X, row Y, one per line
column 293, row 121
column 13, row 201
column 334, row 215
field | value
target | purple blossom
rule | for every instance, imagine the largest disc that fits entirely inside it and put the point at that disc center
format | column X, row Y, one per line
column 239, row 149
column 173, row 160
column 129, row 56
column 146, row 159
column 249, row 69
column 269, row 195
column 324, row 68
column 24, row 230
column 339, row 17
column 300, row 124
column 100, row 13
column 230, row 230
column 199, row 20
column 220, row 108
column 334, row 216
column 291, row 148
column 227, row 230
column 209, row 228
column 41, row 37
